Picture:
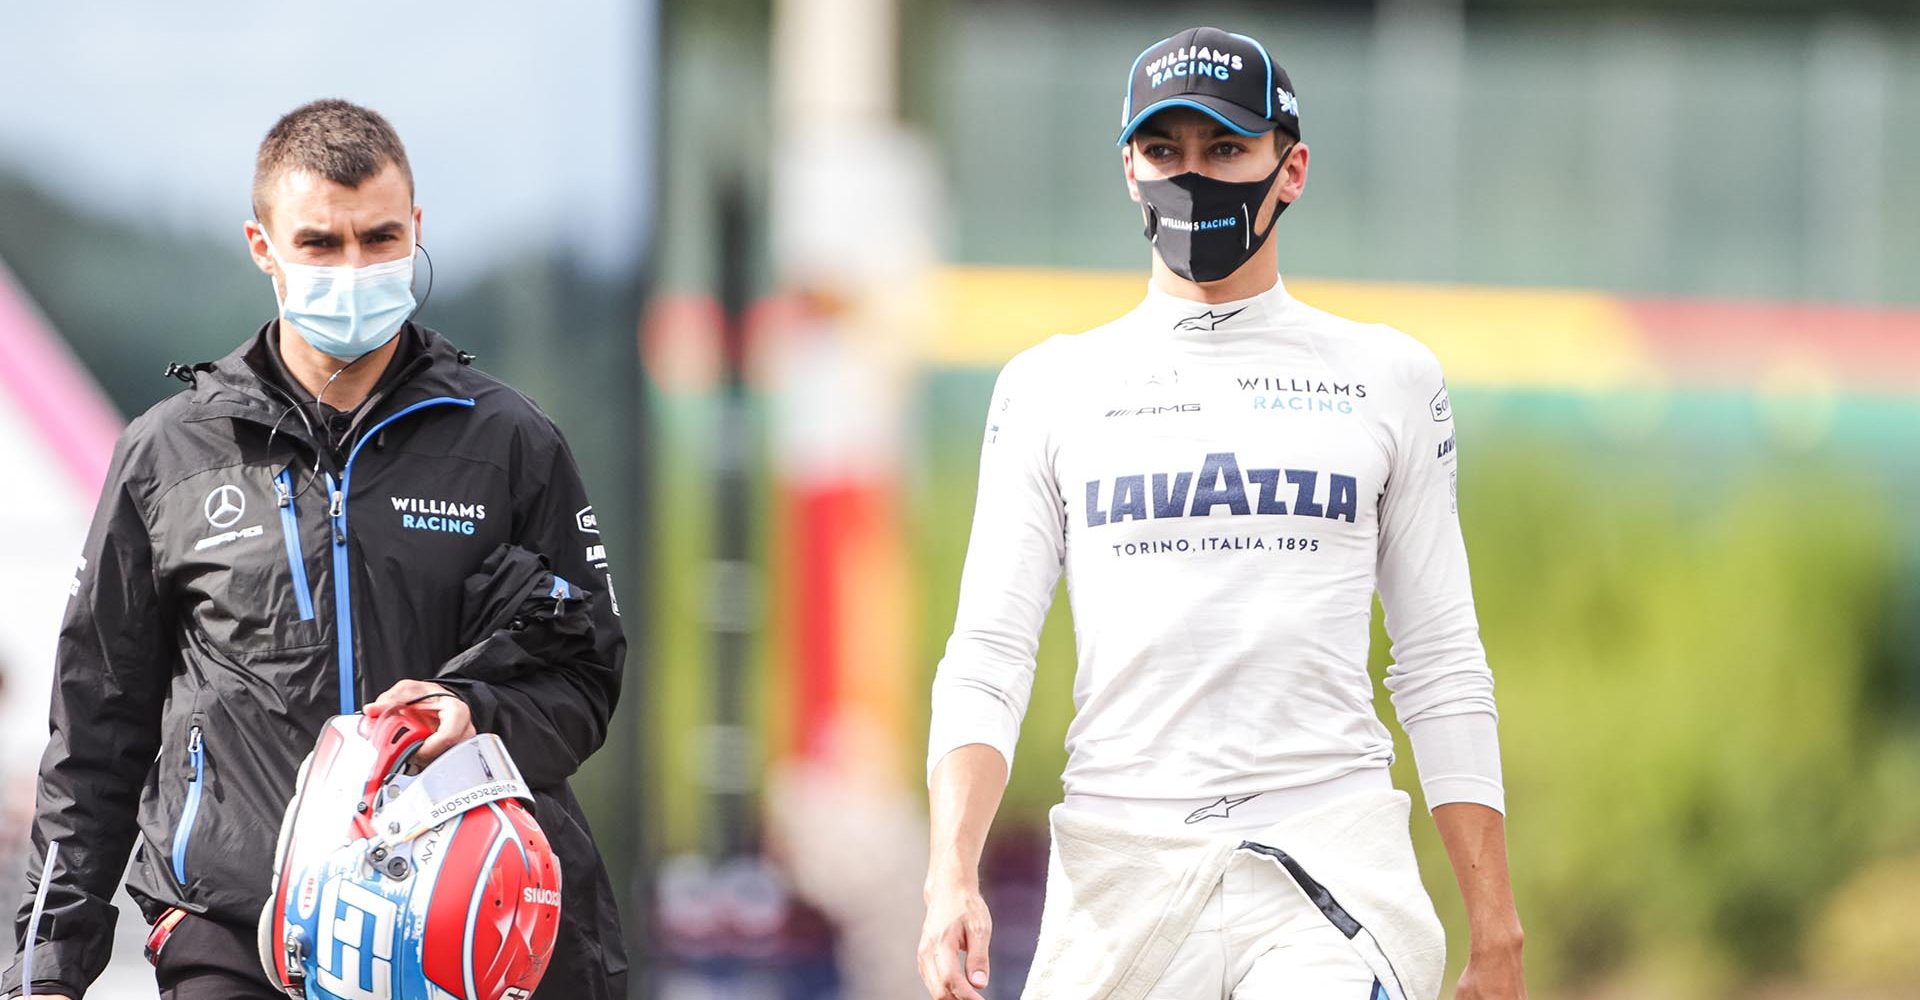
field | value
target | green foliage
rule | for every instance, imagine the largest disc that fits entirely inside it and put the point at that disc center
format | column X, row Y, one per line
column 1682, row 689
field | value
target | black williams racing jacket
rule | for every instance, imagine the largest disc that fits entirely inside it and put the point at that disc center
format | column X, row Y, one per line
column 254, row 568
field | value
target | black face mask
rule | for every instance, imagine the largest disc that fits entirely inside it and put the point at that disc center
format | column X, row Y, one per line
column 1203, row 227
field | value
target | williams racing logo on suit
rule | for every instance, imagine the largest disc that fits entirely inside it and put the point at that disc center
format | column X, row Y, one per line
column 444, row 516
column 1301, row 394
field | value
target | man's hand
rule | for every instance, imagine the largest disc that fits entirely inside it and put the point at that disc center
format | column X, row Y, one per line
column 957, row 921
column 452, row 719
column 1492, row 973
column 962, row 799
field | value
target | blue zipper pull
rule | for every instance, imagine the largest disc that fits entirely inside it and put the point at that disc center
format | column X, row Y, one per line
column 183, row 833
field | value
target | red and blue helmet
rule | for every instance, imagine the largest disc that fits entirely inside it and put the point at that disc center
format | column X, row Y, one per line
column 394, row 881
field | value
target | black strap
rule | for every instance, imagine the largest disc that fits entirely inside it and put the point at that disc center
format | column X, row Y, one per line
column 1335, row 913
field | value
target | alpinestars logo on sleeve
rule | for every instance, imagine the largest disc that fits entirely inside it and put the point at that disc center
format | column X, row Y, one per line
column 1208, row 320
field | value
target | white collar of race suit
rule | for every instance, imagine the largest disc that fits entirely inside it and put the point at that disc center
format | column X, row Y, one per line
column 1202, row 321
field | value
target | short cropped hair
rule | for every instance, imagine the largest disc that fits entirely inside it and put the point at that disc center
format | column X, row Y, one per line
column 338, row 140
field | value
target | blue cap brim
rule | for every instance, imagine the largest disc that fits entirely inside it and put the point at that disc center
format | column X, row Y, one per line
column 1223, row 111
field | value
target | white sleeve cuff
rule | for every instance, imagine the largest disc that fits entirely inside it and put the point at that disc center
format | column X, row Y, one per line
column 1458, row 757
column 965, row 714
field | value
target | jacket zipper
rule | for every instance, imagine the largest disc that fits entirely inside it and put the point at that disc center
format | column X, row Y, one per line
column 337, row 519
column 197, row 754
column 296, row 559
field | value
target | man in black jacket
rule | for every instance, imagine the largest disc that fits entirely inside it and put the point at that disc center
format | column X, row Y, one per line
column 299, row 535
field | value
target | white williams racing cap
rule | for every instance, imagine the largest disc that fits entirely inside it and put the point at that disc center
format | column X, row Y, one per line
column 1228, row 76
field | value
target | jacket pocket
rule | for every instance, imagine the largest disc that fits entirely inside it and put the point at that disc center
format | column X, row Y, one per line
column 296, row 557
column 190, row 812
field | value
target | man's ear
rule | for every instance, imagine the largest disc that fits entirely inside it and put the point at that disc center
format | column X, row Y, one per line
column 418, row 233
column 256, row 233
column 1293, row 173
column 1126, row 167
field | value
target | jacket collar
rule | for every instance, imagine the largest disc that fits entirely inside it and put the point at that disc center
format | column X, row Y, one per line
column 241, row 385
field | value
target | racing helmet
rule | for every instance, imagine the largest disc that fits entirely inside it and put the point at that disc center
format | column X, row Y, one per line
column 394, row 881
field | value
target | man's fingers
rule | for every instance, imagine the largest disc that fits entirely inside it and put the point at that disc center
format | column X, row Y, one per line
column 960, row 978
column 454, row 725
column 933, row 972
column 979, row 933
column 940, row 969
column 453, row 721
column 396, row 696
column 927, row 978
column 946, row 961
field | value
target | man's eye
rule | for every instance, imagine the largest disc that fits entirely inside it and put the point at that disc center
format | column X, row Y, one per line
column 1228, row 149
column 1159, row 151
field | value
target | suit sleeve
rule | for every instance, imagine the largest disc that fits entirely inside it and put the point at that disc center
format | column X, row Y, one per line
column 112, row 665
column 1014, row 557
column 1441, row 686
column 553, row 717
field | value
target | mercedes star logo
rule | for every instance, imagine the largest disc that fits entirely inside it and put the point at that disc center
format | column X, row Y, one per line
column 225, row 505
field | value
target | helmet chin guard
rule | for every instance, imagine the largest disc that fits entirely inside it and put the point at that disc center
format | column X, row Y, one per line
column 396, row 881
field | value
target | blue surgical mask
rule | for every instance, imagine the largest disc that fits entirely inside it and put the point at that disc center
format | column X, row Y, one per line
column 346, row 312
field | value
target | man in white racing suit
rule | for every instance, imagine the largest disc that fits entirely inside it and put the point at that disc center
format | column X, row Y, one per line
column 1226, row 475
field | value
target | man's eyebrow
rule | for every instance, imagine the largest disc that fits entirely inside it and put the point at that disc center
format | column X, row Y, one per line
column 393, row 227
column 307, row 234
column 1155, row 132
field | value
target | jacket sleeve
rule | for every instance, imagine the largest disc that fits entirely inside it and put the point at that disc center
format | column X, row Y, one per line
column 554, row 716
column 111, row 669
